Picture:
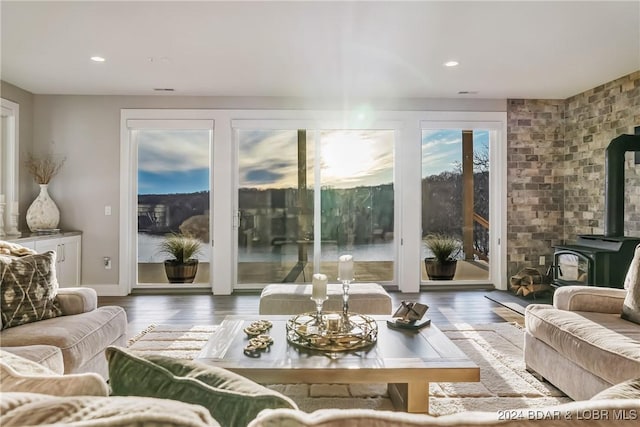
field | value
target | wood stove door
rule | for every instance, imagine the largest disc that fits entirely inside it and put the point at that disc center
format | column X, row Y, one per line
column 572, row 268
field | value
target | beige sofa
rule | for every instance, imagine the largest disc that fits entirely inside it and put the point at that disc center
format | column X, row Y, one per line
column 74, row 342
column 19, row 409
column 32, row 395
column 580, row 344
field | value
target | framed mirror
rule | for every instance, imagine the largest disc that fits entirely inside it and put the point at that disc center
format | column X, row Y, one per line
column 9, row 160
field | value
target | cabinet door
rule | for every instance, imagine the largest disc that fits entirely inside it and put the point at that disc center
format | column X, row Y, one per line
column 67, row 251
column 70, row 251
column 30, row 245
column 42, row 246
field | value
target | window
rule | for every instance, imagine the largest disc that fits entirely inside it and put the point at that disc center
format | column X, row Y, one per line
column 307, row 196
column 455, row 200
column 171, row 194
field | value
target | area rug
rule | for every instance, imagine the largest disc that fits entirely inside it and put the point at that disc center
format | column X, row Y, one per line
column 496, row 348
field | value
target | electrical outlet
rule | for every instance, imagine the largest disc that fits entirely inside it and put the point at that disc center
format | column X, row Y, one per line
column 541, row 261
column 107, row 210
column 107, row 263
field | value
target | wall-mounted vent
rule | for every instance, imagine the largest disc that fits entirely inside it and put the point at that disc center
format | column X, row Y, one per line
column 163, row 89
column 468, row 92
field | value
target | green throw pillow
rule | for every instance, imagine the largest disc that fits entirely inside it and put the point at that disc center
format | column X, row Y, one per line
column 28, row 288
column 230, row 398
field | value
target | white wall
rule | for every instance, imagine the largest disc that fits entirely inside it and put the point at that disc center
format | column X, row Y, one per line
column 26, row 188
column 86, row 129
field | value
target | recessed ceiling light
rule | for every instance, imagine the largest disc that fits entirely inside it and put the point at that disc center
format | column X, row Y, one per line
column 97, row 59
column 451, row 63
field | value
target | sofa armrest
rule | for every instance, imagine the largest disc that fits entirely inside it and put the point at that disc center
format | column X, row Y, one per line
column 589, row 298
column 77, row 300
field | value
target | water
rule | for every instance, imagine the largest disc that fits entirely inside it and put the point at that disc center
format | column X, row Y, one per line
column 149, row 244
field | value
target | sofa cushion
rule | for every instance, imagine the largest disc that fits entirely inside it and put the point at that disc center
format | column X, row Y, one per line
column 631, row 305
column 80, row 336
column 594, row 341
column 20, row 374
column 28, row 288
column 586, row 413
column 231, row 399
column 45, row 355
column 23, row 365
column 88, row 384
column 21, row 409
column 626, row 390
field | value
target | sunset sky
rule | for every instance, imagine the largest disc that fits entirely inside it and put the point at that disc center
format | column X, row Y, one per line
column 176, row 161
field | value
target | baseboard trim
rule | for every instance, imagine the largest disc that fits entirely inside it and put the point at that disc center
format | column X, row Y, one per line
column 108, row 290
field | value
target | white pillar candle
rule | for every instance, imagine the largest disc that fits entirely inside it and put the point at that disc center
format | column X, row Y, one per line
column 319, row 286
column 14, row 207
column 345, row 268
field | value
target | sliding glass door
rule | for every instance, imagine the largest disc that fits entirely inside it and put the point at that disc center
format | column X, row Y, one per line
column 456, row 200
column 173, row 196
column 307, row 196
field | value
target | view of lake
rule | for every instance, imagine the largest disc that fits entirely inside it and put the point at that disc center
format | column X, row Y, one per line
column 148, row 251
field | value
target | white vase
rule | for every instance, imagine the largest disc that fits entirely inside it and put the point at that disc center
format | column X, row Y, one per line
column 43, row 214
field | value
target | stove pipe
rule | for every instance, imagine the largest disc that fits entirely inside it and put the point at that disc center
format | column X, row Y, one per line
column 614, row 183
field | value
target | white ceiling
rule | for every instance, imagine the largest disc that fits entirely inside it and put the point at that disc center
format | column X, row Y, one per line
column 320, row 49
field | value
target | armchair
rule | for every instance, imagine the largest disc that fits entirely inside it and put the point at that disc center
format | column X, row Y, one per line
column 80, row 335
column 580, row 343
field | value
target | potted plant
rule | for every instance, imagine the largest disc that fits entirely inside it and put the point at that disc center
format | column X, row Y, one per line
column 182, row 268
column 445, row 249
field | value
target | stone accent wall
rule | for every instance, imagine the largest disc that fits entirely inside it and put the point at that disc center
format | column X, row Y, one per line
column 535, row 155
column 593, row 119
column 556, row 168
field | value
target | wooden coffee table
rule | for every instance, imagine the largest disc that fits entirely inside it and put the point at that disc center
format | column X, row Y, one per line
column 406, row 361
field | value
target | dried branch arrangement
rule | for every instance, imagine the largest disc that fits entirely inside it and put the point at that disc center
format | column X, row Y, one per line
column 43, row 169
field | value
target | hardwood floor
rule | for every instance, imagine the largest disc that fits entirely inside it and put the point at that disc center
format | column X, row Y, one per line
column 445, row 307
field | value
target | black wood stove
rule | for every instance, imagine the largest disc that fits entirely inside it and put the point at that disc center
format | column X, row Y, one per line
column 602, row 260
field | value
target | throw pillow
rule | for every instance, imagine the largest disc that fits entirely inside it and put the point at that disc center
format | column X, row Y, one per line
column 31, row 409
column 28, row 288
column 23, row 365
column 629, row 389
column 230, row 398
column 18, row 374
column 631, row 304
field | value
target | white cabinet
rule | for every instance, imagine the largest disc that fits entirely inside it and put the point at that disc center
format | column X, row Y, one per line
column 68, row 252
column 68, row 248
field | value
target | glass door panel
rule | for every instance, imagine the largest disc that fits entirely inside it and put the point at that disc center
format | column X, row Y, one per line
column 173, row 183
column 455, row 198
column 290, row 219
column 357, row 202
column 275, row 206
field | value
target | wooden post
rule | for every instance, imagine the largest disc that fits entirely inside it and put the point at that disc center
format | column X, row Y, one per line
column 302, row 194
column 467, row 194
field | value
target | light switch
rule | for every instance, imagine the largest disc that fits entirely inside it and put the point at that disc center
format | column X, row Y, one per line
column 107, row 210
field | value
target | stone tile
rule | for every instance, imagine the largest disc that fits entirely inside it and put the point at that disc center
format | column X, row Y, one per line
column 301, row 390
column 561, row 143
column 368, row 390
column 329, row 390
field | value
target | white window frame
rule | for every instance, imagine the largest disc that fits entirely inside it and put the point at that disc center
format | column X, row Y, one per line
column 326, row 123
column 10, row 157
column 145, row 120
column 407, row 177
column 497, row 186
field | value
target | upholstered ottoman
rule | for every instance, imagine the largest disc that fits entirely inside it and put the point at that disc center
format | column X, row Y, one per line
column 364, row 298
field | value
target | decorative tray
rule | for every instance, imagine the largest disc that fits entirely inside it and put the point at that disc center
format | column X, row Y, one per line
column 303, row 331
